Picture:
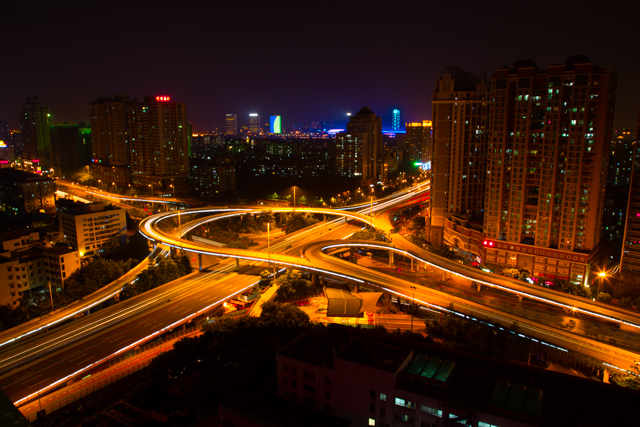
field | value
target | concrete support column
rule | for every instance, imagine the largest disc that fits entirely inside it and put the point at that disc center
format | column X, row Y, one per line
column 356, row 288
column 200, row 262
column 519, row 298
column 412, row 265
column 314, row 279
column 155, row 244
column 351, row 254
column 390, row 258
column 237, row 263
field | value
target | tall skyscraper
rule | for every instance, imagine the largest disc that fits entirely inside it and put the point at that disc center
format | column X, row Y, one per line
column 458, row 163
column 359, row 148
column 143, row 143
column 348, row 151
column 395, row 120
column 275, row 124
column 418, row 142
column 231, row 124
column 547, row 167
column 109, row 126
column 35, row 120
column 630, row 258
column 158, row 145
column 254, row 123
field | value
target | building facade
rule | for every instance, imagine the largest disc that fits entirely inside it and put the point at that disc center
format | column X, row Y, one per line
column 35, row 121
column 460, row 133
column 145, row 144
column 630, row 258
column 547, row 167
column 359, row 149
column 59, row 264
column 418, row 142
column 210, row 179
column 349, row 151
column 24, row 192
column 88, row 227
column 231, row 124
column 254, row 123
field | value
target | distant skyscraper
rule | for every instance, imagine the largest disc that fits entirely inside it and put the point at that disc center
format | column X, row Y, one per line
column 359, row 148
column 418, row 142
column 275, row 124
column 254, row 123
column 395, row 121
column 630, row 259
column 231, row 123
column 458, row 161
column 547, row 167
column 35, row 121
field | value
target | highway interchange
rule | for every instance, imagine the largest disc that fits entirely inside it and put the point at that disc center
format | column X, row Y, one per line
column 31, row 364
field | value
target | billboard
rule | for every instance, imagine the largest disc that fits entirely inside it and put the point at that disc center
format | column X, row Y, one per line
column 275, row 124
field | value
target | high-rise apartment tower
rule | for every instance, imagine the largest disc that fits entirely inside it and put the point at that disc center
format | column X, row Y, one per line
column 35, row 123
column 458, row 159
column 547, row 167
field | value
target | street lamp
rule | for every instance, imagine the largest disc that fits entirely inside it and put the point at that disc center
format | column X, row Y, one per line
column 151, row 187
column 294, row 196
column 269, row 244
column 601, row 276
column 171, row 185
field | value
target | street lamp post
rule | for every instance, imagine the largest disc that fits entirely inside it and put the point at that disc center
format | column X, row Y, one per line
column 371, row 206
column 294, row 196
column 413, row 295
column 601, row 277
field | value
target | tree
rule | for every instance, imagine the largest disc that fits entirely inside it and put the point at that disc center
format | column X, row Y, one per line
column 418, row 223
column 292, row 285
column 266, row 217
column 604, row 297
column 367, row 234
column 630, row 378
column 297, row 221
column 112, row 245
column 280, row 312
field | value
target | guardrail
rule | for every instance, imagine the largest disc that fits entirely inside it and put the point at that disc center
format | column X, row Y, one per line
column 118, row 376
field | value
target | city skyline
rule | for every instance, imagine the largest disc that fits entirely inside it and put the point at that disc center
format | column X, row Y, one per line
column 317, row 77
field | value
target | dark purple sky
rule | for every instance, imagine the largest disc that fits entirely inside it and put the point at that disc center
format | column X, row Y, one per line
column 306, row 60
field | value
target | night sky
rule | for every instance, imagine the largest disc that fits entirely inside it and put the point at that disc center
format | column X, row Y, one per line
column 305, row 60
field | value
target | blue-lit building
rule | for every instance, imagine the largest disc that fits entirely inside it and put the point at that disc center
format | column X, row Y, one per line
column 395, row 121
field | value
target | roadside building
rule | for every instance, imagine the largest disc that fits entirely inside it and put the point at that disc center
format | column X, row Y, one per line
column 88, row 227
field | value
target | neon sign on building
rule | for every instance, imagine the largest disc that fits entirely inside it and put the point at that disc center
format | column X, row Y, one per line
column 163, row 98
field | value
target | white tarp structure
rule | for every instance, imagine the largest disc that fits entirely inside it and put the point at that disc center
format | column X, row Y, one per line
column 341, row 302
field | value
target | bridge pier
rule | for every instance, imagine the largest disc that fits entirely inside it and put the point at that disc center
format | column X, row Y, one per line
column 390, row 258
column 200, row 262
column 412, row 265
column 237, row 264
column 351, row 255
column 356, row 288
